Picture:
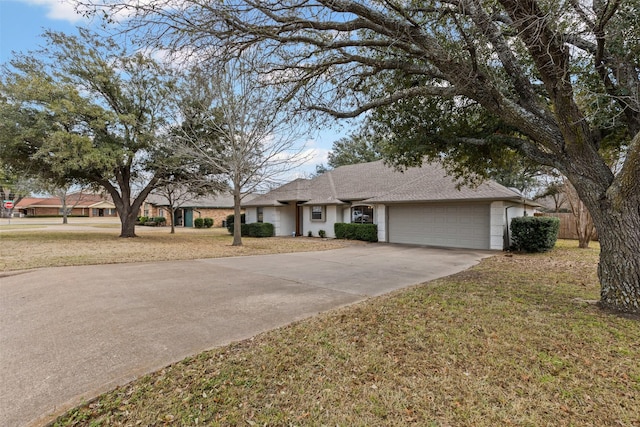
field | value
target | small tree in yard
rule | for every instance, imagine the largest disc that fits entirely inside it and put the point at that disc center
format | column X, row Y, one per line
column 239, row 128
column 184, row 180
column 584, row 223
column 69, row 196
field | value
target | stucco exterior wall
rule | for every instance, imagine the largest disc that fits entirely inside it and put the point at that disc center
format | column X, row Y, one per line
column 282, row 217
column 501, row 215
column 250, row 215
column 332, row 214
column 380, row 218
column 497, row 225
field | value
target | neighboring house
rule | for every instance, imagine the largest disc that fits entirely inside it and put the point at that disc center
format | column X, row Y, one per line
column 555, row 203
column 418, row 206
column 78, row 204
column 214, row 207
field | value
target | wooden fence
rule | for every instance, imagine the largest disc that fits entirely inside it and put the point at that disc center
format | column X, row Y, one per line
column 568, row 229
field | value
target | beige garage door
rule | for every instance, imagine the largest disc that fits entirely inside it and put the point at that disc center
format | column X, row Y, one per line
column 450, row 225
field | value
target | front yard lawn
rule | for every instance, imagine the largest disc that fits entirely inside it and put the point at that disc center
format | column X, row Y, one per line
column 512, row 341
column 42, row 248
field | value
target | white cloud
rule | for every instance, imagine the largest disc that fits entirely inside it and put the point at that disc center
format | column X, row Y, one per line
column 313, row 155
column 62, row 10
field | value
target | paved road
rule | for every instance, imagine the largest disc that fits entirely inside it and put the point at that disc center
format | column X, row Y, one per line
column 70, row 333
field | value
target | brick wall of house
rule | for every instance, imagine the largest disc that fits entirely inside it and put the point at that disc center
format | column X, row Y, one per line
column 46, row 211
column 218, row 215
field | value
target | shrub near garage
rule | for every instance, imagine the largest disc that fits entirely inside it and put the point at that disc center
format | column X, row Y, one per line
column 365, row 232
column 208, row 222
column 535, row 233
column 257, row 229
column 198, row 222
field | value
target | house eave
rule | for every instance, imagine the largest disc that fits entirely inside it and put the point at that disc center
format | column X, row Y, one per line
column 453, row 200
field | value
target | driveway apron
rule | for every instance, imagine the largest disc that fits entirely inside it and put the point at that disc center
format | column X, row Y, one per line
column 68, row 334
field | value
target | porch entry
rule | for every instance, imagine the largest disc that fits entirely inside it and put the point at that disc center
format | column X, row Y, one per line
column 299, row 229
column 183, row 218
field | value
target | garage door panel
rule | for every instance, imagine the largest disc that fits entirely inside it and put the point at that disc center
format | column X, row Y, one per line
column 460, row 226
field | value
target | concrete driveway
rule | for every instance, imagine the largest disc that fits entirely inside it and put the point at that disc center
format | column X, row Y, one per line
column 70, row 333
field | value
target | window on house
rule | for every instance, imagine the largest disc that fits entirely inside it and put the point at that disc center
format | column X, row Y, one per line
column 260, row 214
column 161, row 212
column 362, row 214
column 317, row 213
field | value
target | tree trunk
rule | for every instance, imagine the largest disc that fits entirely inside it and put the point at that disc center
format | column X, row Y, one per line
column 237, row 218
column 173, row 217
column 63, row 199
column 584, row 226
column 581, row 216
column 619, row 268
column 128, row 224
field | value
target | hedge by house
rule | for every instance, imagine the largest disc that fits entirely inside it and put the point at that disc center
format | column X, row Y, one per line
column 231, row 219
column 534, row 233
column 366, row 232
column 151, row 221
column 257, row 229
column 203, row 222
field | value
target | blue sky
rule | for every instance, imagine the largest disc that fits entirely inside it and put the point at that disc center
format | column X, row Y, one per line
column 23, row 21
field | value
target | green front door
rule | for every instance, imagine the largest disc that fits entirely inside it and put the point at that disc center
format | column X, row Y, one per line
column 188, row 217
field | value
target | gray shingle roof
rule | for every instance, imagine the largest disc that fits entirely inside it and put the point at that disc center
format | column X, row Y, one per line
column 297, row 190
column 376, row 182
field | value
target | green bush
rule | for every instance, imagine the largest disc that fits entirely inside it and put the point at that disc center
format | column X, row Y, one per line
column 208, row 222
column 142, row 219
column 257, row 229
column 322, row 233
column 366, row 232
column 534, row 233
column 230, row 219
column 160, row 220
column 198, row 222
column 309, row 233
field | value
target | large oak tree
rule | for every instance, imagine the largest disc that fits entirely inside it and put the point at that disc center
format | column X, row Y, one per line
column 87, row 110
column 541, row 66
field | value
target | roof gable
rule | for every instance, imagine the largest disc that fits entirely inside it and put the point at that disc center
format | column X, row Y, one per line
column 294, row 191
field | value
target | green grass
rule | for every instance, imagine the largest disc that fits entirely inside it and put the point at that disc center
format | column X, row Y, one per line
column 509, row 342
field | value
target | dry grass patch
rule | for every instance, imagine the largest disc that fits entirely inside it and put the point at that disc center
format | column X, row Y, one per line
column 35, row 249
column 504, row 343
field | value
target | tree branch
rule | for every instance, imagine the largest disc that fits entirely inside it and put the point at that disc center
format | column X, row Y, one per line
column 412, row 92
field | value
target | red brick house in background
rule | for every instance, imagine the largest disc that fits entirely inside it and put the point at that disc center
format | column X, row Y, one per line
column 78, row 204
